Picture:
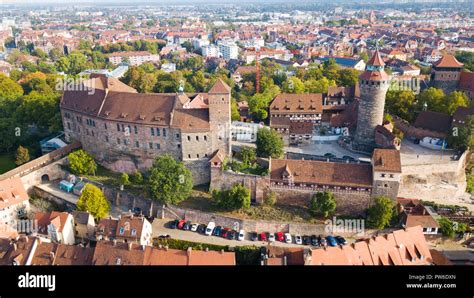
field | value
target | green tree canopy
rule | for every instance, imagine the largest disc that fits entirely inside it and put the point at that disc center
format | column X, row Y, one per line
column 401, row 104
column 124, row 179
column 170, row 181
column 80, row 162
column 323, row 203
column 9, row 89
column 347, row 77
column 93, row 200
column 248, row 155
column 454, row 100
column 237, row 197
column 293, row 85
column 318, row 86
column 269, row 143
column 381, row 212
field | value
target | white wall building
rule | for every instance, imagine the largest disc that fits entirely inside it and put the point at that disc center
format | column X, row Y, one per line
column 134, row 58
column 13, row 201
column 228, row 50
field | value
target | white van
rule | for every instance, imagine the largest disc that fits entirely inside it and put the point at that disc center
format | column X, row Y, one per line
column 210, row 228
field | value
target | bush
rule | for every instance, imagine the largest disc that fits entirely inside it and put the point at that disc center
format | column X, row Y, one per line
column 237, row 197
column 381, row 213
column 269, row 143
column 270, row 200
column 80, row 162
column 124, row 179
column 137, row 177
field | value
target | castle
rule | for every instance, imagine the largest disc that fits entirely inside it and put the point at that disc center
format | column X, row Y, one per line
column 125, row 130
column 447, row 75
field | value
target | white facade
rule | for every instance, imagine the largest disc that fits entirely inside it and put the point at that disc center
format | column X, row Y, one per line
column 64, row 236
column 9, row 215
column 210, row 51
column 133, row 59
column 228, row 50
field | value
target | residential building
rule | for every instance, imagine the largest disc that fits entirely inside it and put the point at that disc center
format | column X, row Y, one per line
column 128, row 228
column 84, row 225
column 132, row 58
column 56, row 226
column 228, row 50
column 13, row 201
column 411, row 213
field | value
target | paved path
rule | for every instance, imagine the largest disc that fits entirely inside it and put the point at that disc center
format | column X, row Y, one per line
column 159, row 228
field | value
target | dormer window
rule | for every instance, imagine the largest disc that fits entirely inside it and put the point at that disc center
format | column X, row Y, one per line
column 122, row 231
column 134, row 232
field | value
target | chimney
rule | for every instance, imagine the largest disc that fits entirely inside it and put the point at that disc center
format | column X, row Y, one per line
column 114, row 242
column 130, row 246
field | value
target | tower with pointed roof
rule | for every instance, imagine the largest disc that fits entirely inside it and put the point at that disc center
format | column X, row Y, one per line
column 220, row 116
column 373, row 85
column 446, row 73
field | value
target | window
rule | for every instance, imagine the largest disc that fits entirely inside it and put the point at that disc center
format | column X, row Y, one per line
column 118, row 127
column 179, row 145
column 158, row 131
column 164, row 132
column 137, row 144
column 134, row 232
column 197, row 138
column 205, row 138
column 87, row 131
column 122, row 230
column 152, row 131
column 189, row 155
column 150, row 145
column 177, row 136
column 197, row 155
column 136, row 129
column 118, row 141
column 68, row 125
column 105, row 125
column 382, row 175
column 189, row 138
column 158, row 146
column 92, row 132
column 107, row 139
column 123, row 127
column 391, row 175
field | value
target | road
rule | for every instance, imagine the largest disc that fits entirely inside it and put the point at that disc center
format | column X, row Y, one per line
column 159, row 228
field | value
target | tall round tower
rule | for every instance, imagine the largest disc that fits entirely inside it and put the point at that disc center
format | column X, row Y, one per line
column 373, row 84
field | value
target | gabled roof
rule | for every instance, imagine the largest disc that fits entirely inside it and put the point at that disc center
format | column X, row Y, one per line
column 297, row 103
column 12, row 192
column 433, row 121
column 386, row 160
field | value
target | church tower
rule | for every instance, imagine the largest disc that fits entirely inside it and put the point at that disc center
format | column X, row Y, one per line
column 220, row 116
column 373, row 85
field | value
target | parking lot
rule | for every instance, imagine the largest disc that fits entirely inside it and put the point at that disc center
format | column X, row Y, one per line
column 160, row 227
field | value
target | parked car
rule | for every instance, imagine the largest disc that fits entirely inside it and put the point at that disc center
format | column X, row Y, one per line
column 347, row 157
column 187, row 226
column 181, row 224
column 329, row 155
column 217, row 231
column 298, row 239
column 210, row 228
column 194, row 227
column 331, row 241
column 288, row 238
column 165, row 236
column 263, row 251
column 280, row 237
column 271, row 237
column 232, row 235
column 253, row 236
column 322, row 241
column 241, row 235
column 306, row 240
column 201, row 229
column 225, row 232
column 340, row 240
column 173, row 224
column 314, row 240
column 263, row 236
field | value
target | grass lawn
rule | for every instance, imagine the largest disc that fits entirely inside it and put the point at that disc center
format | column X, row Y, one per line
column 7, row 162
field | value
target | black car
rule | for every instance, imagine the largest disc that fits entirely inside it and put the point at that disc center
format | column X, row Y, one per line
column 263, row 251
column 166, row 236
column 322, row 241
column 174, row 224
column 347, row 157
column 306, row 240
column 314, row 240
column 340, row 240
column 254, row 236
column 187, row 226
column 201, row 229
column 329, row 155
column 217, row 231
column 232, row 235
column 137, row 211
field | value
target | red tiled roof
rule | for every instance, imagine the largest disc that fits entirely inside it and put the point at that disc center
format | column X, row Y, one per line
column 448, row 61
column 297, row 103
column 387, row 160
column 220, row 87
column 466, row 81
column 376, row 59
column 12, row 192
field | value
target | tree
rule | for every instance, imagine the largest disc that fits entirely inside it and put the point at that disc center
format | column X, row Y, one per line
column 248, row 155
column 454, row 100
column 21, row 156
column 9, row 89
column 170, row 181
column 380, row 214
column 461, row 137
column 237, row 197
column 401, row 104
column 331, row 69
column 323, row 203
column 269, row 143
column 293, row 85
column 433, row 98
column 318, row 86
column 347, row 77
column 137, row 177
column 124, row 179
column 271, row 199
column 80, row 162
column 235, row 114
column 364, row 56
column 93, row 200
column 446, row 227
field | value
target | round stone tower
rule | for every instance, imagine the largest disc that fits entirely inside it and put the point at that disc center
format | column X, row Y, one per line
column 373, row 84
